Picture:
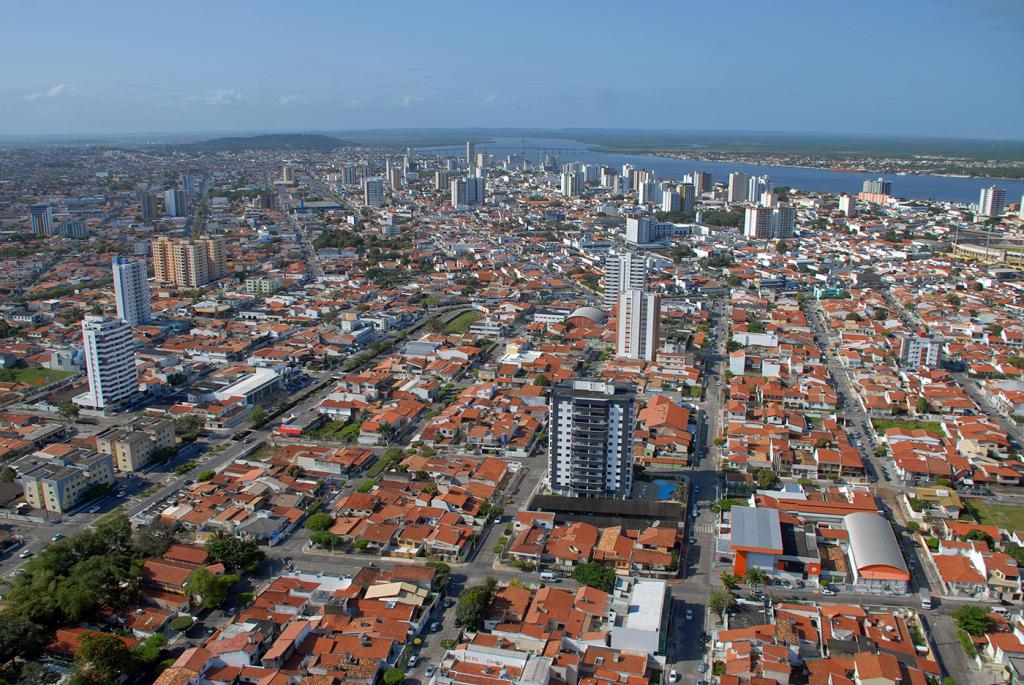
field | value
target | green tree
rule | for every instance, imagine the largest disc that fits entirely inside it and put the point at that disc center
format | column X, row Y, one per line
column 103, row 658
column 319, row 522
column 257, row 414
column 755, row 576
column 148, row 651
column 214, row 590
column 20, row 636
column 767, row 479
column 7, row 475
column 475, row 603
column 393, row 676
column 729, row 580
column 541, row 380
column 720, row 601
column 205, row 475
column 973, row 619
column 325, row 539
column 595, row 575
column 181, row 623
column 68, row 411
column 234, row 552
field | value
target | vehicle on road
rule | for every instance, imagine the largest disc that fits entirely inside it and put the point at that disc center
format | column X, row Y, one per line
column 549, row 577
column 25, row 554
column 689, row 614
column 413, row 660
column 828, row 591
column 691, row 540
column 429, row 672
column 435, row 627
column 702, row 667
column 93, row 510
column 673, row 676
column 926, row 599
column 57, row 536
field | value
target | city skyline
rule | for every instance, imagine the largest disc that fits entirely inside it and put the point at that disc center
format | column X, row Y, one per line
column 330, row 67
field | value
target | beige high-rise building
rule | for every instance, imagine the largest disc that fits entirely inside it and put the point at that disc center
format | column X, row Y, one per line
column 189, row 264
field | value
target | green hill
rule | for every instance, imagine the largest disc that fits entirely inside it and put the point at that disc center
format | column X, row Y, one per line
column 274, row 141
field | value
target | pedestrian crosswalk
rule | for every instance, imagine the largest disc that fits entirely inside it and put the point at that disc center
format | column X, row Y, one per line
column 705, row 528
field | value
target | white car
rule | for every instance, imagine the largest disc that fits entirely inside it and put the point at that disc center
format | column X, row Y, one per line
column 689, row 614
column 673, row 676
column 413, row 660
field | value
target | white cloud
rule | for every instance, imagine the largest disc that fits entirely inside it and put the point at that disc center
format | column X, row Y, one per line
column 290, row 99
column 51, row 93
column 409, row 100
column 491, row 99
column 225, row 96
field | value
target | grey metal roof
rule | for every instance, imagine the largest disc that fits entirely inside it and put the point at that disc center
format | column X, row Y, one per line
column 872, row 542
column 592, row 313
column 753, row 527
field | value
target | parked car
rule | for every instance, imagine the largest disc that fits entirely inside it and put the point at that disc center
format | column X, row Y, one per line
column 25, row 553
column 93, row 510
column 702, row 667
column 828, row 591
column 429, row 672
column 435, row 626
column 689, row 614
column 413, row 660
column 57, row 536
column 673, row 676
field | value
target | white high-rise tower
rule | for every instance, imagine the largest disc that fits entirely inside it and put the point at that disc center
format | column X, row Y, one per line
column 109, row 362
column 131, row 290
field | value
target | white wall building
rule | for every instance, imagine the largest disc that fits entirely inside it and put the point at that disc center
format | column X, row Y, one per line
column 109, row 362
column 131, row 290
column 639, row 325
column 590, row 444
column 992, row 201
column 737, row 187
column 623, row 272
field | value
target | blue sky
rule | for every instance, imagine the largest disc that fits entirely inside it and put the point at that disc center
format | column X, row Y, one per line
column 917, row 67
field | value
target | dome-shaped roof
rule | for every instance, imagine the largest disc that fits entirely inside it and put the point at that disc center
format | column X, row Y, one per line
column 592, row 313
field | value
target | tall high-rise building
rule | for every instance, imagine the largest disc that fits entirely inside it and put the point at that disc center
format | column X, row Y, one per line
column 701, row 182
column 131, row 290
column 647, row 192
column 373, row 192
column 757, row 186
column 41, row 216
column 469, row 153
column 623, row 272
column 670, row 201
column 348, row 175
column 109, row 362
column 442, row 179
column 147, row 205
column 572, row 183
column 687, row 196
column 992, row 201
column 287, row 175
column 468, row 191
column 918, row 349
column 590, row 442
column 188, row 263
column 878, row 186
column 591, row 173
column 848, row 205
column 737, row 187
column 174, row 203
column 639, row 325
column 189, row 184
column 74, row 228
column 769, row 223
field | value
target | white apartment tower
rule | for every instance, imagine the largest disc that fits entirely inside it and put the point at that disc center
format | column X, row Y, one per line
column 992, row 201
column 109, row 362
column 468, row 191
column 590, row 444
column 737, row 187
column 757, row 186
column 131, row 290
column 623, row 272
column 639, row 325
column 41, row 216
column 769, row 223
column 848, row 205
column 572, row 183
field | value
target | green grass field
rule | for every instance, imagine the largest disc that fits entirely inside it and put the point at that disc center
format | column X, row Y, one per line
column 1002, row 515
column 33, row 376
column 462, row 322
column 882, row 425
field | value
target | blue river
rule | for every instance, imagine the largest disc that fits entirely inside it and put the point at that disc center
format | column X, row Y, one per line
column 914, row 187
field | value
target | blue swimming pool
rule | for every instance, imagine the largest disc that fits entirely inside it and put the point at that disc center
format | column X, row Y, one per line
column 665, row 488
